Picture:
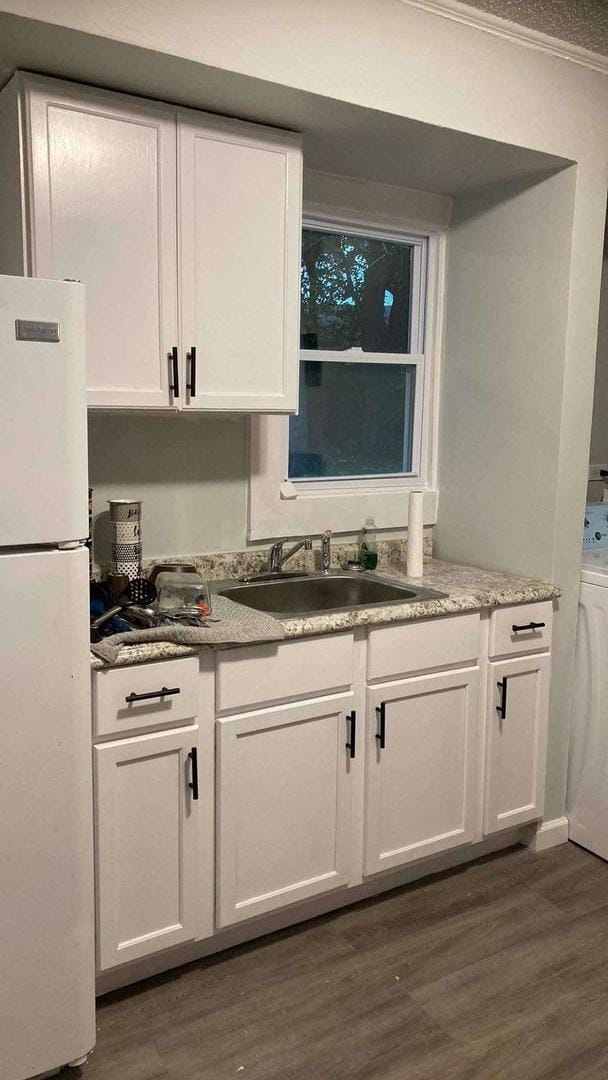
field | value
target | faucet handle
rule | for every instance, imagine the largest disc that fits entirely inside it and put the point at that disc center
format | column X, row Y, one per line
column 326, row 550
column 274, row 554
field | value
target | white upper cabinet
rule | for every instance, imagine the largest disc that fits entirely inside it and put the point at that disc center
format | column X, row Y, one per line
column 240, row 228
column 103, row 211
column 219, row 331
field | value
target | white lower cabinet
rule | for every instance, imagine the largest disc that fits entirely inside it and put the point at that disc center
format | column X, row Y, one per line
column 146, row 844
column 308, row 796
column 516, row 739
column 284, row 805
column 422, row 767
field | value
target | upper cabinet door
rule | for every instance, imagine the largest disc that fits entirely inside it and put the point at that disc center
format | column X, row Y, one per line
column 240, row 233
column 104, row 211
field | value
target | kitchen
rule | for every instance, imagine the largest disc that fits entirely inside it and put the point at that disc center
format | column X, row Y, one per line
column 178, row 176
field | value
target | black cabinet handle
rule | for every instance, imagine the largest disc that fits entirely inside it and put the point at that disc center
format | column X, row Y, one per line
column 191, row 357
column 502, row 708
column 163, row 692
column 380, row 735
column 528, row 626
column 193, row 785
column 174, row 386
column 351, row 745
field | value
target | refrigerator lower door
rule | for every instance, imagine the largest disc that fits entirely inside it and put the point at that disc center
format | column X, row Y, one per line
column 47, row 996
column 43, row 434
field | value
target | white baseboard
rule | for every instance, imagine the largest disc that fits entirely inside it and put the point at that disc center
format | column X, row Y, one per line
column 548, row 834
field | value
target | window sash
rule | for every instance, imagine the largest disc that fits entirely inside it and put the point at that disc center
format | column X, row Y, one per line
column 416, row 358
column 344, row 484
column 417, row 286
column 277, row 507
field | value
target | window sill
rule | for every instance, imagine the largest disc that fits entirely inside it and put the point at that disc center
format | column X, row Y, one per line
column 278, row 509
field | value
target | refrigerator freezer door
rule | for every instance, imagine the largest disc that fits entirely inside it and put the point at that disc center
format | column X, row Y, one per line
column 47, row 1002
column 43, row 419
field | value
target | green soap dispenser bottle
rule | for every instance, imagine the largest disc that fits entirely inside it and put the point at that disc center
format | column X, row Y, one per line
column 368, row 549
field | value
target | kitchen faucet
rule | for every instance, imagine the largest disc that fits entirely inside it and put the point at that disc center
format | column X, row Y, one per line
column 276, row 555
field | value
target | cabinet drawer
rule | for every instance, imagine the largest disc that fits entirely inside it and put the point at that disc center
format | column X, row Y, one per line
column 261, row 674
column 512, row 632
column 421, row 646
column 113, row 713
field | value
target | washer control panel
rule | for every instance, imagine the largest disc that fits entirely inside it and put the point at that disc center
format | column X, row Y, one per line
column 595, row 535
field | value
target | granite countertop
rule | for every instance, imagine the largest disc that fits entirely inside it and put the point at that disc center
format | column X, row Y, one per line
column 467, row 587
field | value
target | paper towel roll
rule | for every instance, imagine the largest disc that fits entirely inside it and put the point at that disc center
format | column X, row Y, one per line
column 415, row 534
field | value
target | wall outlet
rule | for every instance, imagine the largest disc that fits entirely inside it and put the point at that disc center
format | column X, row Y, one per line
column 594, row 472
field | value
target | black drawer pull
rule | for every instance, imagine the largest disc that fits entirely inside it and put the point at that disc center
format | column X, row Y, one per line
column 193, row 785
column 351, row 745
column 163, row 692
column 380, row 735
column 528, row 626
column 502, row 708
column 191, row 357
column 174, row 386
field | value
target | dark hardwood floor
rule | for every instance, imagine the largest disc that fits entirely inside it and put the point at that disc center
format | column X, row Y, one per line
column 495, row 971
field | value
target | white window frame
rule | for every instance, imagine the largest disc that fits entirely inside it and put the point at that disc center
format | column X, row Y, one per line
column 280, row 506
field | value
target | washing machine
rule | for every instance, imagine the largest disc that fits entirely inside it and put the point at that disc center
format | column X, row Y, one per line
column 587, row 799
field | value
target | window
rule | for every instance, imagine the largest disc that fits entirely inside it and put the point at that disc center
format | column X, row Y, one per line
column 362, row 362
column 372, row 293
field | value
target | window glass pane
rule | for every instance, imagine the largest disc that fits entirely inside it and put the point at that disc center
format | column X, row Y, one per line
column 356, row 419
column 356, row 292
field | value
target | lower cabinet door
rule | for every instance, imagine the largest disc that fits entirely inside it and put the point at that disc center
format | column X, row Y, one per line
column 146, row 844
column 284, row 805
column 516, row 741
column 422, row 768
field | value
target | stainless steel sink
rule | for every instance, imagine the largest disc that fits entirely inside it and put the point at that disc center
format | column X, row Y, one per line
column 316, row 594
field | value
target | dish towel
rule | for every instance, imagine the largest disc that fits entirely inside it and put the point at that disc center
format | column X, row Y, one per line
column 236, row 625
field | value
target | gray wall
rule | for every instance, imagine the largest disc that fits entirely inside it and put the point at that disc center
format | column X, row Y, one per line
column 598, row 451
column 217, row 53
column 190, row 472
column 501, row 405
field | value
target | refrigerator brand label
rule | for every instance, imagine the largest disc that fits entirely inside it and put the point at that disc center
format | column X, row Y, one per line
column 34, row 330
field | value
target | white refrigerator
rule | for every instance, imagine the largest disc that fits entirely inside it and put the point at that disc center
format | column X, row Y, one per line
column 47, row 1003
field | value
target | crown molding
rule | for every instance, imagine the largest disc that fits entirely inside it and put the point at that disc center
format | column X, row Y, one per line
column 521, row 35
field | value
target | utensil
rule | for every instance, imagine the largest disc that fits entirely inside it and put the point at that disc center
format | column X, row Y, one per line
column 141, row 591
column 105, row 617
column 141, row 617
column 117, row 585
column 188, row 618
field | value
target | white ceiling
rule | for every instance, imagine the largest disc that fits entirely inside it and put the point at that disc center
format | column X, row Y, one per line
column 582, row 22
column 338, row 137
